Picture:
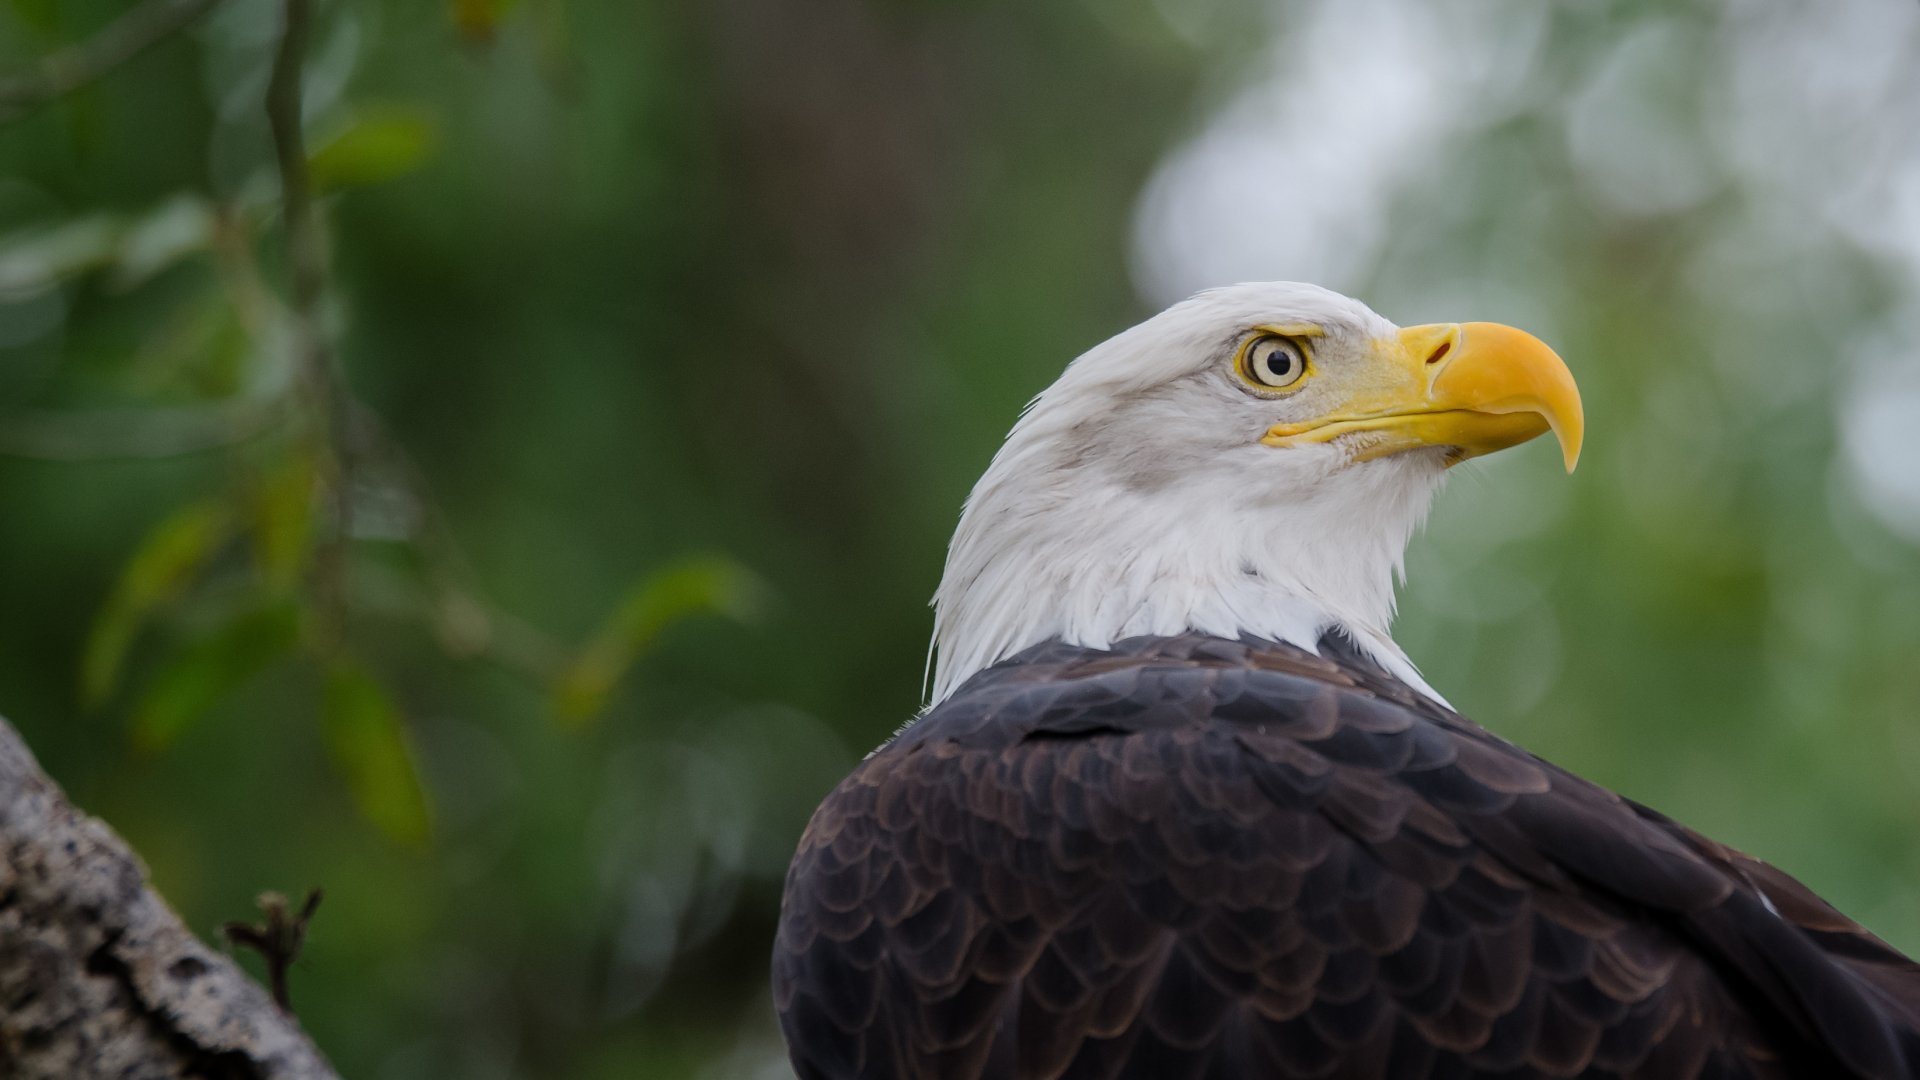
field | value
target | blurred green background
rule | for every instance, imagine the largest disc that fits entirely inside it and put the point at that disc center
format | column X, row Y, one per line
column 669, row 338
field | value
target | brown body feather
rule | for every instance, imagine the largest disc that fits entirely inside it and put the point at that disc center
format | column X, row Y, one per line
column 1196, row 858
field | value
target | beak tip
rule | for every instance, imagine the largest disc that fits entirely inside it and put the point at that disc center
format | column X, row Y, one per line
column 1571, row 441
column 1570, row 450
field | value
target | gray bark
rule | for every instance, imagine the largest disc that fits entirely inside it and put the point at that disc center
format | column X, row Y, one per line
column 98, row 978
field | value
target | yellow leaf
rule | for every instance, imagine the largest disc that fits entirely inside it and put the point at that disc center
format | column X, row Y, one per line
column 477, row 20
column 282, row 518
column 159, row 570
column 701, row 585
column 385, row 142
column 194, row 680
column 369, row 744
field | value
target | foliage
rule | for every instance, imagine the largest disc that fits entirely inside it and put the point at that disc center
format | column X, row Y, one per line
column 365, row 736
column 662, row 342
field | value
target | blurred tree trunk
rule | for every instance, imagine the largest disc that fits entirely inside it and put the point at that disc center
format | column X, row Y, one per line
column 97, row 975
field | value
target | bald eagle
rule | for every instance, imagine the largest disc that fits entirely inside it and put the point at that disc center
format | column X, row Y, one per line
column 1182, row 809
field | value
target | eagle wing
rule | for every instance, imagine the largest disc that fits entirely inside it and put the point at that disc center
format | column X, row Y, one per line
column 1197, row 858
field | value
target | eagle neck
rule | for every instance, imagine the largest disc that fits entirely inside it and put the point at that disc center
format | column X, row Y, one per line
column 1089, row 560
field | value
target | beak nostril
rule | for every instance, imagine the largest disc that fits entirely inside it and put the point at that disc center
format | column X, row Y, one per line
column 1441, row 352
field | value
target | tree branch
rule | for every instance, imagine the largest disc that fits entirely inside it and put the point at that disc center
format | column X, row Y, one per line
column 63, row 72
column 326, row 401
column 278, row 940
column 97, row 975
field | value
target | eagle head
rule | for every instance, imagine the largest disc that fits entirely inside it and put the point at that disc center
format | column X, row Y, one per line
column 1251, row 461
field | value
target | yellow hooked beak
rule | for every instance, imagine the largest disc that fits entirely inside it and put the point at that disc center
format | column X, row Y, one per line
column 1470, row 387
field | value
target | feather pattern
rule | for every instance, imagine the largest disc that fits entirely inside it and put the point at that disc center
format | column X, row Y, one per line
column 1194, row 857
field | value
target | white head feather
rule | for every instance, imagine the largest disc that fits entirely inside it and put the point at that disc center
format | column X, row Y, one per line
column 1134, row 497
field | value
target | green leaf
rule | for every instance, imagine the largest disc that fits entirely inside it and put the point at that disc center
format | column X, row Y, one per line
column 134, row 247
column 202, row 350
column 282, row 517
column 160, row 569
column 190, row 684
column 703, row 585
column 180, row 226
column 42, row 16
column 37, row 256
column 384, row 143
column 369, row 745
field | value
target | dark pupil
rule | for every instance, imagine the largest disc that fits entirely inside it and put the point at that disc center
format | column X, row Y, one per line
column 1279, row 363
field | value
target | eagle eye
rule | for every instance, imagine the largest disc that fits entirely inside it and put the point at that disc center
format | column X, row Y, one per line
column 1272, row 362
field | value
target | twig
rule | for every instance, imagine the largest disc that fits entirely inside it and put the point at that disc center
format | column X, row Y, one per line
column 137, row 434
column 63, row 72
column 290, row 155
column 466, row 623
column 312, row 352
column 278, row 940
